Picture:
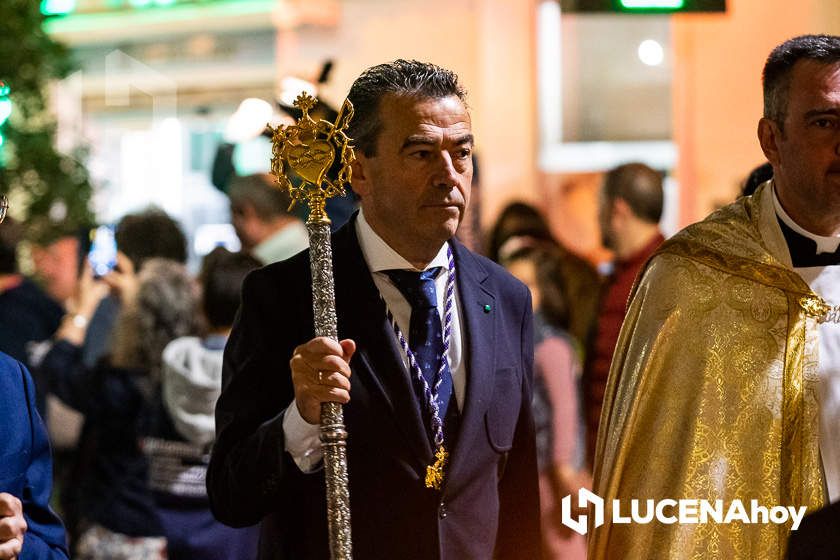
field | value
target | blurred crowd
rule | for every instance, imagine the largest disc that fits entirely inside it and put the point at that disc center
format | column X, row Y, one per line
column 127, row 366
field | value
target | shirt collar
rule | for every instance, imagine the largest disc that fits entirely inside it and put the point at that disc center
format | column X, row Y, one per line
column 284, row 243
column 380, row 256
column 824, row 244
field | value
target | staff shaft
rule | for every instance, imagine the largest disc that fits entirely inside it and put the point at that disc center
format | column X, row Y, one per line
column 332, row 432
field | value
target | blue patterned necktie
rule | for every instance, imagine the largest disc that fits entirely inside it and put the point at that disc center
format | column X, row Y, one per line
column 425, row 334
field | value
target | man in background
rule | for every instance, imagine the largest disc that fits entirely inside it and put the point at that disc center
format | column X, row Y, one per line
column 262, row 219
column 27, row 313
column 629, row 209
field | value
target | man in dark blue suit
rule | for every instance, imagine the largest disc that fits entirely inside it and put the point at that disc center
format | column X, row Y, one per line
column 439, row 343
column 29, row 529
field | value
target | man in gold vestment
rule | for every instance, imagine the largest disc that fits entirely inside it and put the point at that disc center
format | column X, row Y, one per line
column 717, row 386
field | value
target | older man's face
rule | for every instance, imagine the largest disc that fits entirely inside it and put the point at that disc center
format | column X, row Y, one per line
column 806, row 155
column 416, row 188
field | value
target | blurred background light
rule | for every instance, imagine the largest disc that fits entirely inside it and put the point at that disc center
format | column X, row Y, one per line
column 651, row 52
column 57, row 7
column 249, row 120
column 5, row 110
column 653, row 4
column 291, row 87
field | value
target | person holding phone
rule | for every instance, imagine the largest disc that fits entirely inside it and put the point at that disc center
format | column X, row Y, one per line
column 103, row 250
column 139, row 236
column 117, row 516
column 92, row 318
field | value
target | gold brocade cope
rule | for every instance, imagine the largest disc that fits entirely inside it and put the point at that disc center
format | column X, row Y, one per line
column 712, row 393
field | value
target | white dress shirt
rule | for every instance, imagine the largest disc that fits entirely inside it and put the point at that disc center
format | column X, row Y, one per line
column 302, row 441
column 825, row 282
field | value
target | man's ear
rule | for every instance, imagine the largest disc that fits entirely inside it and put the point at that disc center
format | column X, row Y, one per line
column 620, row 209
column 769, row 136
column 360, row 177
column 247, row 211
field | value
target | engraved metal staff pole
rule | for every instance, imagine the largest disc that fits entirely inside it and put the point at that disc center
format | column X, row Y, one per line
column 309, row 149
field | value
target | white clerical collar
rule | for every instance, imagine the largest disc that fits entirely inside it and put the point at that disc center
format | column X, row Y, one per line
column 380, row 256
column 824, row 244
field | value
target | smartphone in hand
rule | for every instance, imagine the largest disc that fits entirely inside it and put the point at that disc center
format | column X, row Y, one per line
column 103, row 250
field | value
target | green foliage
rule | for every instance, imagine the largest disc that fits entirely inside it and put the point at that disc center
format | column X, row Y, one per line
column 48, row 191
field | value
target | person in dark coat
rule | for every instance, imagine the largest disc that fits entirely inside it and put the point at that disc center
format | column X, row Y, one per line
column 395, row 257
column 27, row 314
column 29, row 529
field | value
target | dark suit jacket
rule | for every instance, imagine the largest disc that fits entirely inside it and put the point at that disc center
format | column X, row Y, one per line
column 488, row 507
column 25, row 464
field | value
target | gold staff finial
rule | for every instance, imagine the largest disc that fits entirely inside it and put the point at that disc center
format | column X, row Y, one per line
column 309, row 149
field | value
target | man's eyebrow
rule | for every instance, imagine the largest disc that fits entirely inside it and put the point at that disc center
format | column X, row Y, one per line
column 418, row 140
column 465, row 139
column 421, row 140
column 833, row 111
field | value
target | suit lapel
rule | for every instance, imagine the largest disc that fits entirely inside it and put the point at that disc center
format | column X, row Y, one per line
column 361, row 316
column 377, row 362
column 478, row 326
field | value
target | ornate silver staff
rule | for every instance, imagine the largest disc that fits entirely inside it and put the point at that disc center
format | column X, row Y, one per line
column 309, row 149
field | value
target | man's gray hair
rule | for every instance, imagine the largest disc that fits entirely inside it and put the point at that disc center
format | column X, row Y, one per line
column 258, row 191
column 778, row 69
column 408, row 78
